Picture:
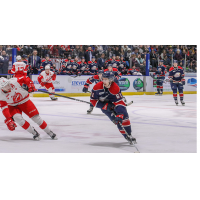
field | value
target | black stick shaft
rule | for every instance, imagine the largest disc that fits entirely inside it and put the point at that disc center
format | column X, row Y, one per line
column 64, row 96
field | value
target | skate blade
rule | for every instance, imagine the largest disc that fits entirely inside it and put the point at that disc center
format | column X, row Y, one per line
column 37, row 138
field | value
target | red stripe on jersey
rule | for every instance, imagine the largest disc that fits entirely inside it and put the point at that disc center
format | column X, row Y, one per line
column 98, row 86
column 161, row 87
column 174, row 95
column 26, row 125
column 158, row 86
column 114, row 89
column 88, row 81
column 119, row 103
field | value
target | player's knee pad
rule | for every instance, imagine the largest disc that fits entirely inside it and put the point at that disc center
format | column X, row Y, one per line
column 51, row 90
column 37, row 119
column 19, row 119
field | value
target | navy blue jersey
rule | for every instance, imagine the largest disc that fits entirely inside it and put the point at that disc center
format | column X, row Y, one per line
column 177, row 74
column 75, row 66
column 67, row 70
column 93, row 67
column 83, row 68
column 160, row 72
column 100, row 95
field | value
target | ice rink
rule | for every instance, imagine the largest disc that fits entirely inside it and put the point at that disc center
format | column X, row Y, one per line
column 157, row 123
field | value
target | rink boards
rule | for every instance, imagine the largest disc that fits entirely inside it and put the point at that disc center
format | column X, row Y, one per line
column 130, row 85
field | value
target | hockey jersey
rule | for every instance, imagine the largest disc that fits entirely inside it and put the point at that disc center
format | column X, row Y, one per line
column 17, row 96
column 46, row 78
column 93, row 67
column 19, row 69
column 177, row 74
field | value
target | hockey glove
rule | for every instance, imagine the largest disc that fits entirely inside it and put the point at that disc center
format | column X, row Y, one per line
column 118, row 119
column 109, row 107
column 31, row 88
column 10, row 124
column 183, row 81
column 42, row 84
column 85, row 89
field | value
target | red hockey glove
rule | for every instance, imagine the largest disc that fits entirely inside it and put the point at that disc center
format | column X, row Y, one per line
column 10, row 124
column 42, row 84
column 31, row 88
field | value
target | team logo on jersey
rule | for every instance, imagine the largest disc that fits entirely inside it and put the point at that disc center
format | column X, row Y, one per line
column 17, row 97
column 138, row 84
column 178, row 74
column 192, row 82
column 124, row 84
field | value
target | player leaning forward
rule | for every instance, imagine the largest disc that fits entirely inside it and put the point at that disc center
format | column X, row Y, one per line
column 14, row 100
column 107, row 96
column 45, row 80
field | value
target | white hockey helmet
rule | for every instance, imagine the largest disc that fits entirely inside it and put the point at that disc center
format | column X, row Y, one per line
column 3, row 82
column 47, row 66
column 18, row 58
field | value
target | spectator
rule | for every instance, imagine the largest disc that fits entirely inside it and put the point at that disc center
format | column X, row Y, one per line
column 100, row 49
column 81, row 52
column 139, row 59
column 178, row 56
column 101, row 62
column 88, row 54
column 96, row 52
column 35, row 62
column 109, row 53
column 116, row 51
column 153, row 59
column 128, row 54
column 55, row 52
column 27, row 50
column 5, row 63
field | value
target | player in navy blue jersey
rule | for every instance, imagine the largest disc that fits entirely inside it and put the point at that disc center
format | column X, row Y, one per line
column 93, row 67
column 96, row 78
column 176, row 76
column 47, row 61
column 107, row 96
column 83, row 67
column 160, row 73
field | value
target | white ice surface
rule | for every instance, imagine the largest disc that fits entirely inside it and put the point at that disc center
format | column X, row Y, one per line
column 158, row 124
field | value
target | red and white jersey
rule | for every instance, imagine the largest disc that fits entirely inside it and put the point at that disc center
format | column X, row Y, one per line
column 17, row 96
column 19, row 69
column 47, row 78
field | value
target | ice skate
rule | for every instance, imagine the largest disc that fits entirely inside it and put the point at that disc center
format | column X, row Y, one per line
column 183, row 103
column 90, row 110
column 176, row 102
column 52, row 135
column 157, row 94
column 36, row 135
column 54, row 98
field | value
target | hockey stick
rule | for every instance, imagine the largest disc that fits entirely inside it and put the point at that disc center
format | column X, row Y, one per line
column 64, row 96
column 46, row 82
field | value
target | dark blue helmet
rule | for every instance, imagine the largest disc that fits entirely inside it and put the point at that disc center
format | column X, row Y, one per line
column 24, row 56
column 161, row 61
column 93, row 56
column 100, row 71
column 47, row 55
column 108, row 75
column 175, row 61
column 69, row 55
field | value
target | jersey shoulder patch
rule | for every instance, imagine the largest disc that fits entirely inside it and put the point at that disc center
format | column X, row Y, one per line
column 105, row 70
column 180, row 67
column 115, row 69
column 89, row 62
column 114, row 89
column 171, row 69
column 98, row 86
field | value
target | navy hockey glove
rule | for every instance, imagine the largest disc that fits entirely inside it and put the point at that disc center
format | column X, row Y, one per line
column 85, row 89
column 109, row 107
column 118, row 119
column 183, row 81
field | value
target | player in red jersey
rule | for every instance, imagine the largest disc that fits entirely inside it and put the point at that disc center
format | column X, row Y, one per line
column 14, row 100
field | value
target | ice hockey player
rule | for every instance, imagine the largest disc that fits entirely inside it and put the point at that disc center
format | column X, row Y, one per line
column 46, row 62
column 14, row 100
column 67, row 69
column 45, row 80
column 133, row 71
column 75, row 66
column 83, row 68
column 176, row 77
column 122, row 65
column 107, row 96
column 160, row 78
column 19, row 68
column 93, row 67
column 96, row 78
